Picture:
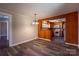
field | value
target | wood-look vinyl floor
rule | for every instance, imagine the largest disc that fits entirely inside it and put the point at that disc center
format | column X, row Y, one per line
column 39, row 47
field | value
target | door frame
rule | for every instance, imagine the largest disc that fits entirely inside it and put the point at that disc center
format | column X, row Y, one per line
column 63, row 20
column 64, row 30
column 9, row 27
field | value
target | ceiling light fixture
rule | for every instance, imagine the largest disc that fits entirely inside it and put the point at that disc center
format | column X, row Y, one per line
column 35, row 20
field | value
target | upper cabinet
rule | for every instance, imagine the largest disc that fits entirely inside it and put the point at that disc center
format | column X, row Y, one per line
column 45, row 25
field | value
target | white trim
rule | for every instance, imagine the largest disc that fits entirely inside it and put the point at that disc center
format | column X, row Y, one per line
column 72, row 44
column 9, row 27
column 7, row 31
column 10, row 41
column 65, row 31
column 22, row 42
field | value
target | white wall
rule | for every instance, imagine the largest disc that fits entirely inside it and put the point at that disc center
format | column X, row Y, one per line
column 22, row 28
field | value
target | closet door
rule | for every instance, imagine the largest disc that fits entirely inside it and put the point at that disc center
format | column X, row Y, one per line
column 69, row 28
column 75, row 28
column 72, row 28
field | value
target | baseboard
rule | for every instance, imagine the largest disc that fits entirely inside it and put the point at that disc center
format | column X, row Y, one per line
column 40, row 38
column 44, row 39
column 72, row 44
column 22, row 42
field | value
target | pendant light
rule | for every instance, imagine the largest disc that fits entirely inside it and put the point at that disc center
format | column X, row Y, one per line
column 35, row 20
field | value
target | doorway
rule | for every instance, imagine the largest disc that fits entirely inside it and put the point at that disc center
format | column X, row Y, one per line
column 58, row 31
column 5, row 30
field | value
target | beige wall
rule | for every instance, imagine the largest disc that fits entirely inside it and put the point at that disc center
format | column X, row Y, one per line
column 22, row 28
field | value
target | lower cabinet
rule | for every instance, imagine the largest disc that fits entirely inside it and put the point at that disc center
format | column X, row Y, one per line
column 41, row 34
column 45, row 34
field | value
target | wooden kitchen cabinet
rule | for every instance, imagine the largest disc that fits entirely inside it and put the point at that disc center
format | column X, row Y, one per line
column 71, row 28
column 43, row 33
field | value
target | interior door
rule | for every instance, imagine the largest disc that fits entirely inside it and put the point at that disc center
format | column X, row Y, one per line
column 4, row 42
column 72, row 28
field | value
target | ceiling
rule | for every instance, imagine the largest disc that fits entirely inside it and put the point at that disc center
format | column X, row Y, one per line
column 42, row 9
